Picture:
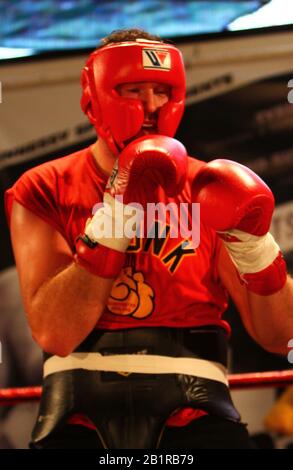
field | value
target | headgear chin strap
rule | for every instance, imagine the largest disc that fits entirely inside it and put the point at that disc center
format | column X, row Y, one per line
column 116, row 118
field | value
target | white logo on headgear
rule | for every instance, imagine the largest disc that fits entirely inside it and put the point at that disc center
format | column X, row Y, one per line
column 156, row 59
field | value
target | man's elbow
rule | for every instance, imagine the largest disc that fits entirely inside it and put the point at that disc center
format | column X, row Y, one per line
column 53, row 345
column 279, row 346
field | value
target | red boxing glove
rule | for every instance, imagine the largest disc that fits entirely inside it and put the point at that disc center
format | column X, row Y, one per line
column 145, row 164
column 239, row 206
column 142, row 166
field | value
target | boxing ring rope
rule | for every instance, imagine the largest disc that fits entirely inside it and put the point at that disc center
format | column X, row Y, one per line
column 11, row 396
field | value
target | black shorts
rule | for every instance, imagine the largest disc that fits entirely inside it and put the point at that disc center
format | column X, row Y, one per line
column 207, row 432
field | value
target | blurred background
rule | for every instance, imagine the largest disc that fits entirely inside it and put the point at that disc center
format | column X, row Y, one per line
column 239, row 64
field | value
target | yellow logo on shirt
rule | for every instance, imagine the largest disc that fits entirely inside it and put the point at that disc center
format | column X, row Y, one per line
column 131, row 295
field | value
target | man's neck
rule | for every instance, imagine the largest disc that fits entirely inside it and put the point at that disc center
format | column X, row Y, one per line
column 103, row 156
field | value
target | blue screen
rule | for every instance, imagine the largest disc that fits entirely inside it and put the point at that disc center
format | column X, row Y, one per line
column 33, row 27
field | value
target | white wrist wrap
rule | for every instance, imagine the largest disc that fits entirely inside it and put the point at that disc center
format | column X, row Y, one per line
column 108, row 225
column 252, row 253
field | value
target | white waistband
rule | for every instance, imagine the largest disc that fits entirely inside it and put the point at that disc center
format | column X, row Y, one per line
column 139, row 363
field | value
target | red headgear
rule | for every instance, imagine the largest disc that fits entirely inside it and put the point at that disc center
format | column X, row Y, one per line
column 116, row 118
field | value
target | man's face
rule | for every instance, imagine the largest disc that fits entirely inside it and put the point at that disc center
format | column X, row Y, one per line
column 152, row 96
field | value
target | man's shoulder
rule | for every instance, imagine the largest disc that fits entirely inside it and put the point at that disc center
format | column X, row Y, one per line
column 59, row 167
column 45, row 188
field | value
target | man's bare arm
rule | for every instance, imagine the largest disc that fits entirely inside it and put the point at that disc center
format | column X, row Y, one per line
column 267, row 318
column 62, row 300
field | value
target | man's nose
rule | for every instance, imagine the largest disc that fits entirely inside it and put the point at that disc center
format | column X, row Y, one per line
column 149, row 101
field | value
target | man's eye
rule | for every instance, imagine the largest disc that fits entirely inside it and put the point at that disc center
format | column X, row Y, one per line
column 162, row 92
